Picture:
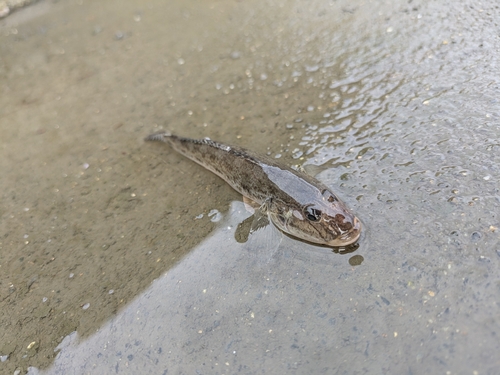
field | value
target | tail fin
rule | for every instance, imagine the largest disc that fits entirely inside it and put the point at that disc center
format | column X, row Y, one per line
column 160, row 136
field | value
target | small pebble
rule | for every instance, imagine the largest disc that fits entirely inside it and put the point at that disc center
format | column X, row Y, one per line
column 475, row 236
column 356, row 260
column 484, row 259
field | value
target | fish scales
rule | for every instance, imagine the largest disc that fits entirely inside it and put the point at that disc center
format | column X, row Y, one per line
column 235, row 166
column 295, row 202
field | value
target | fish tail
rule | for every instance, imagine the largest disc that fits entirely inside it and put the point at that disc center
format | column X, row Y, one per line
column 159, row 136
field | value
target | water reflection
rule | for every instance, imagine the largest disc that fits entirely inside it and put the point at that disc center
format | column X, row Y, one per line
column 223, row 304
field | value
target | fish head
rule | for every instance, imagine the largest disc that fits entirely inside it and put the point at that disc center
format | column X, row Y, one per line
column 325, row 221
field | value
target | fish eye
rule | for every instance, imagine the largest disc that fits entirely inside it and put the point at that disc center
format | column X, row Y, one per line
column 329, row 196
column 312, row 214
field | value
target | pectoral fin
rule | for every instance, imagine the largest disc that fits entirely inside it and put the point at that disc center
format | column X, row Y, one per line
column 243, row 230
column 268, row 237
column 251, row 225
column 260, row 221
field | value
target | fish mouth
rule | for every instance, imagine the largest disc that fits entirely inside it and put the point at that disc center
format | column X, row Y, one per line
column 350, row 237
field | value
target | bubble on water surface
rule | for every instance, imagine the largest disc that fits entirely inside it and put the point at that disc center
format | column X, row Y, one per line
column 215, row 215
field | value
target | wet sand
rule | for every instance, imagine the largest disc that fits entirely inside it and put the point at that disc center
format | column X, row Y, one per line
column 108, row 255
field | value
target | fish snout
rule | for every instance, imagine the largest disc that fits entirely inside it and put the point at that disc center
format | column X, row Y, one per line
column 350, row 236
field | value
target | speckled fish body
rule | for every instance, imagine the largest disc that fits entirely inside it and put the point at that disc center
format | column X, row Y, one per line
column 295, row 202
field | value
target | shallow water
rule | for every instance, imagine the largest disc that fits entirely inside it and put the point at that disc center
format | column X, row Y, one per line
column 108, row 255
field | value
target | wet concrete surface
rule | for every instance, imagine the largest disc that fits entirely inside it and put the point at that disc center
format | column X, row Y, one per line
column 109, row 261
column 9, row 6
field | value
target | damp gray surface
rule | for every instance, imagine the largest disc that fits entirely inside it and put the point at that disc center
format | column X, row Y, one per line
column 120, row 257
